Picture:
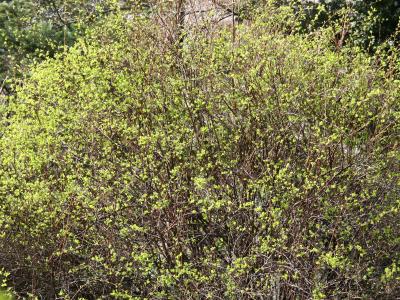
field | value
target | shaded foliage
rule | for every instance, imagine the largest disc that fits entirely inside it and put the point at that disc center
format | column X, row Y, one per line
column 36, row 29
column 364, row 23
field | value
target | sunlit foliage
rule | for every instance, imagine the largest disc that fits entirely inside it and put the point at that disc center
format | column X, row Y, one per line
column 256, row 162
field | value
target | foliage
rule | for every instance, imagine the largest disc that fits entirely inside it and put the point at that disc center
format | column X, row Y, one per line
column 263, row 163
column 365, row 23
column 4, row 296
column 31, row 29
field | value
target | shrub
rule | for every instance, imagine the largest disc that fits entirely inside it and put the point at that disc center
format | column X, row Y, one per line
column 260, row 166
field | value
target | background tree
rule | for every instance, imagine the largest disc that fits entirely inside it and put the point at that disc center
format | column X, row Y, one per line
column 365, row 23
column 35, row 29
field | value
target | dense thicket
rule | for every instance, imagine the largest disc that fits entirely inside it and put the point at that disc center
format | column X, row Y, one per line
column 251, row 163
